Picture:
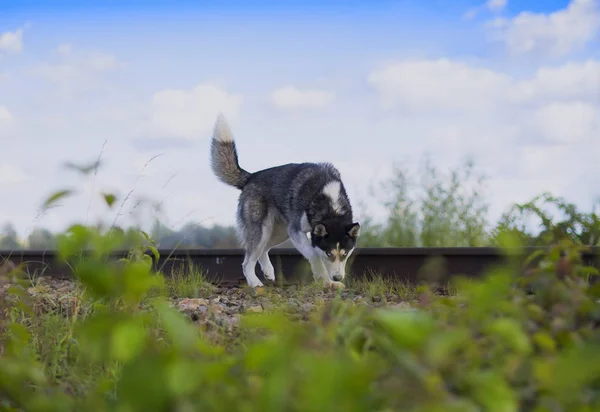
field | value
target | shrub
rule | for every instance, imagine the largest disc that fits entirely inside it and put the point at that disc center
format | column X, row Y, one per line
column 449, row 211
column 579, row 227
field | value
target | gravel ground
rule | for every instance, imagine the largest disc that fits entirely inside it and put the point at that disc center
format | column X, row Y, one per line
column 216, row 307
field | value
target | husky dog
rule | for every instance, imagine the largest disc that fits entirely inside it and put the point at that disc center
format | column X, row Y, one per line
column 304, row 202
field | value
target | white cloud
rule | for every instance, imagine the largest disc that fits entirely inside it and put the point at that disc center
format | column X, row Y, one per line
column 540, row 129
column 443, row 84
column 5, row 116
column 101, row 62
column 568, row 122
column 290, row 97
column 10, row 174
column 64, row 49
column 494, row 6
column 12, row 41
column 438, row 85
column 570, row 81
column 75, row 71
column 190, row 114
column 556, row 34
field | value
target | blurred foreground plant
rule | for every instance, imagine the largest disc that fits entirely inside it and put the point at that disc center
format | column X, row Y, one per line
column 492, row 347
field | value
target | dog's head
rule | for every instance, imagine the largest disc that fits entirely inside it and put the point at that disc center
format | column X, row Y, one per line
column 334, row 241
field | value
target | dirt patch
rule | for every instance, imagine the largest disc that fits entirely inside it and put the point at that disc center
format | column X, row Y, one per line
column 218, row 306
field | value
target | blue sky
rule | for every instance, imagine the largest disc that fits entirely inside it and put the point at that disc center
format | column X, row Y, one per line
column 362, row 84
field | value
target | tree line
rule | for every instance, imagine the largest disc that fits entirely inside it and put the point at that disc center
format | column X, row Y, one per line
column 432, row 209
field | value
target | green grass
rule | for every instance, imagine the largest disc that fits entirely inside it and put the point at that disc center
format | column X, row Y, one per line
column 382, row 288
column 488, row 348
column 189, row 282
column 54, row 319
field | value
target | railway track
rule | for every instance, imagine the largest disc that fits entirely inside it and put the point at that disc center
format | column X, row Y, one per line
column 224, row 265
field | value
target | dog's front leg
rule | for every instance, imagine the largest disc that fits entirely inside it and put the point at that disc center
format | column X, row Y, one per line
column 318, row 269
column 320, row 273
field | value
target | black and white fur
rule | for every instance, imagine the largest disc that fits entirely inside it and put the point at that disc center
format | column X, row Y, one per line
column 304, row 202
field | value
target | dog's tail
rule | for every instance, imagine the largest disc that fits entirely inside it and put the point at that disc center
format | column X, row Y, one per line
column 223, row 156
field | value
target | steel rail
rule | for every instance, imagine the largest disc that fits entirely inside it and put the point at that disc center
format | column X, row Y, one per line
column 223, row 266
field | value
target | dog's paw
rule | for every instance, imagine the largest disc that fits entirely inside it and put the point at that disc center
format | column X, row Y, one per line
column 255, row 283
column 269, row 274
column 336, row 285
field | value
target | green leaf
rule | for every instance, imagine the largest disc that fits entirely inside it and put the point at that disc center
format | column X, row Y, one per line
column 573, row 370
column 511, row 333
column 544, row 341
column 128, row 340
column 534, row 255
column 509, row 242
column 440, row 347
column 184, row 335
column 141, row 386
column 493, row 392
column 109, row 198
column 154, row 252
column 20, row 333
column 56, row 196
column 589, row 270
column 409, row 329
column 84, row 169
column 182, row 376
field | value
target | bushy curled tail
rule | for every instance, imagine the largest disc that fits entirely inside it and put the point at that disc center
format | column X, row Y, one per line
column 223, row 156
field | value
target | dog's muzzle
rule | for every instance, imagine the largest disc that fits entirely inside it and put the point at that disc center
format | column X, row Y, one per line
column 338, row 278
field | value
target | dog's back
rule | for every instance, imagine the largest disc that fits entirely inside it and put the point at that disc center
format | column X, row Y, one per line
column 291, row 188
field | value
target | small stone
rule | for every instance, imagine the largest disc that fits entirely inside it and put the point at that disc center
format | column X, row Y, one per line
column 254, row 309
column 250, row 291
column 232, row 322
column 266, row 305
column 193, row 305
column 216, row 309
column 307, row 307
column 7, row 267
column 403, row 306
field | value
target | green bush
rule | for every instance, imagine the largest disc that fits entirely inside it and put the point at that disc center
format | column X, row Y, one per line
column 492, row 346
column 575, row 225
column 441, row 211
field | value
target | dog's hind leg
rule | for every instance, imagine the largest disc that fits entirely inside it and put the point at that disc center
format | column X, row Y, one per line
column 277, row 235
column 249, row 265
column 255, row 247
column 255, row 226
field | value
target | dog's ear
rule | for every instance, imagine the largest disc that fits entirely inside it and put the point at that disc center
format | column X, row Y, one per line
column 353, row 230
column 320, row 230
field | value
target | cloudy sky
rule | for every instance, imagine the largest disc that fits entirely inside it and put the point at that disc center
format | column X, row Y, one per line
column 515, row 85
